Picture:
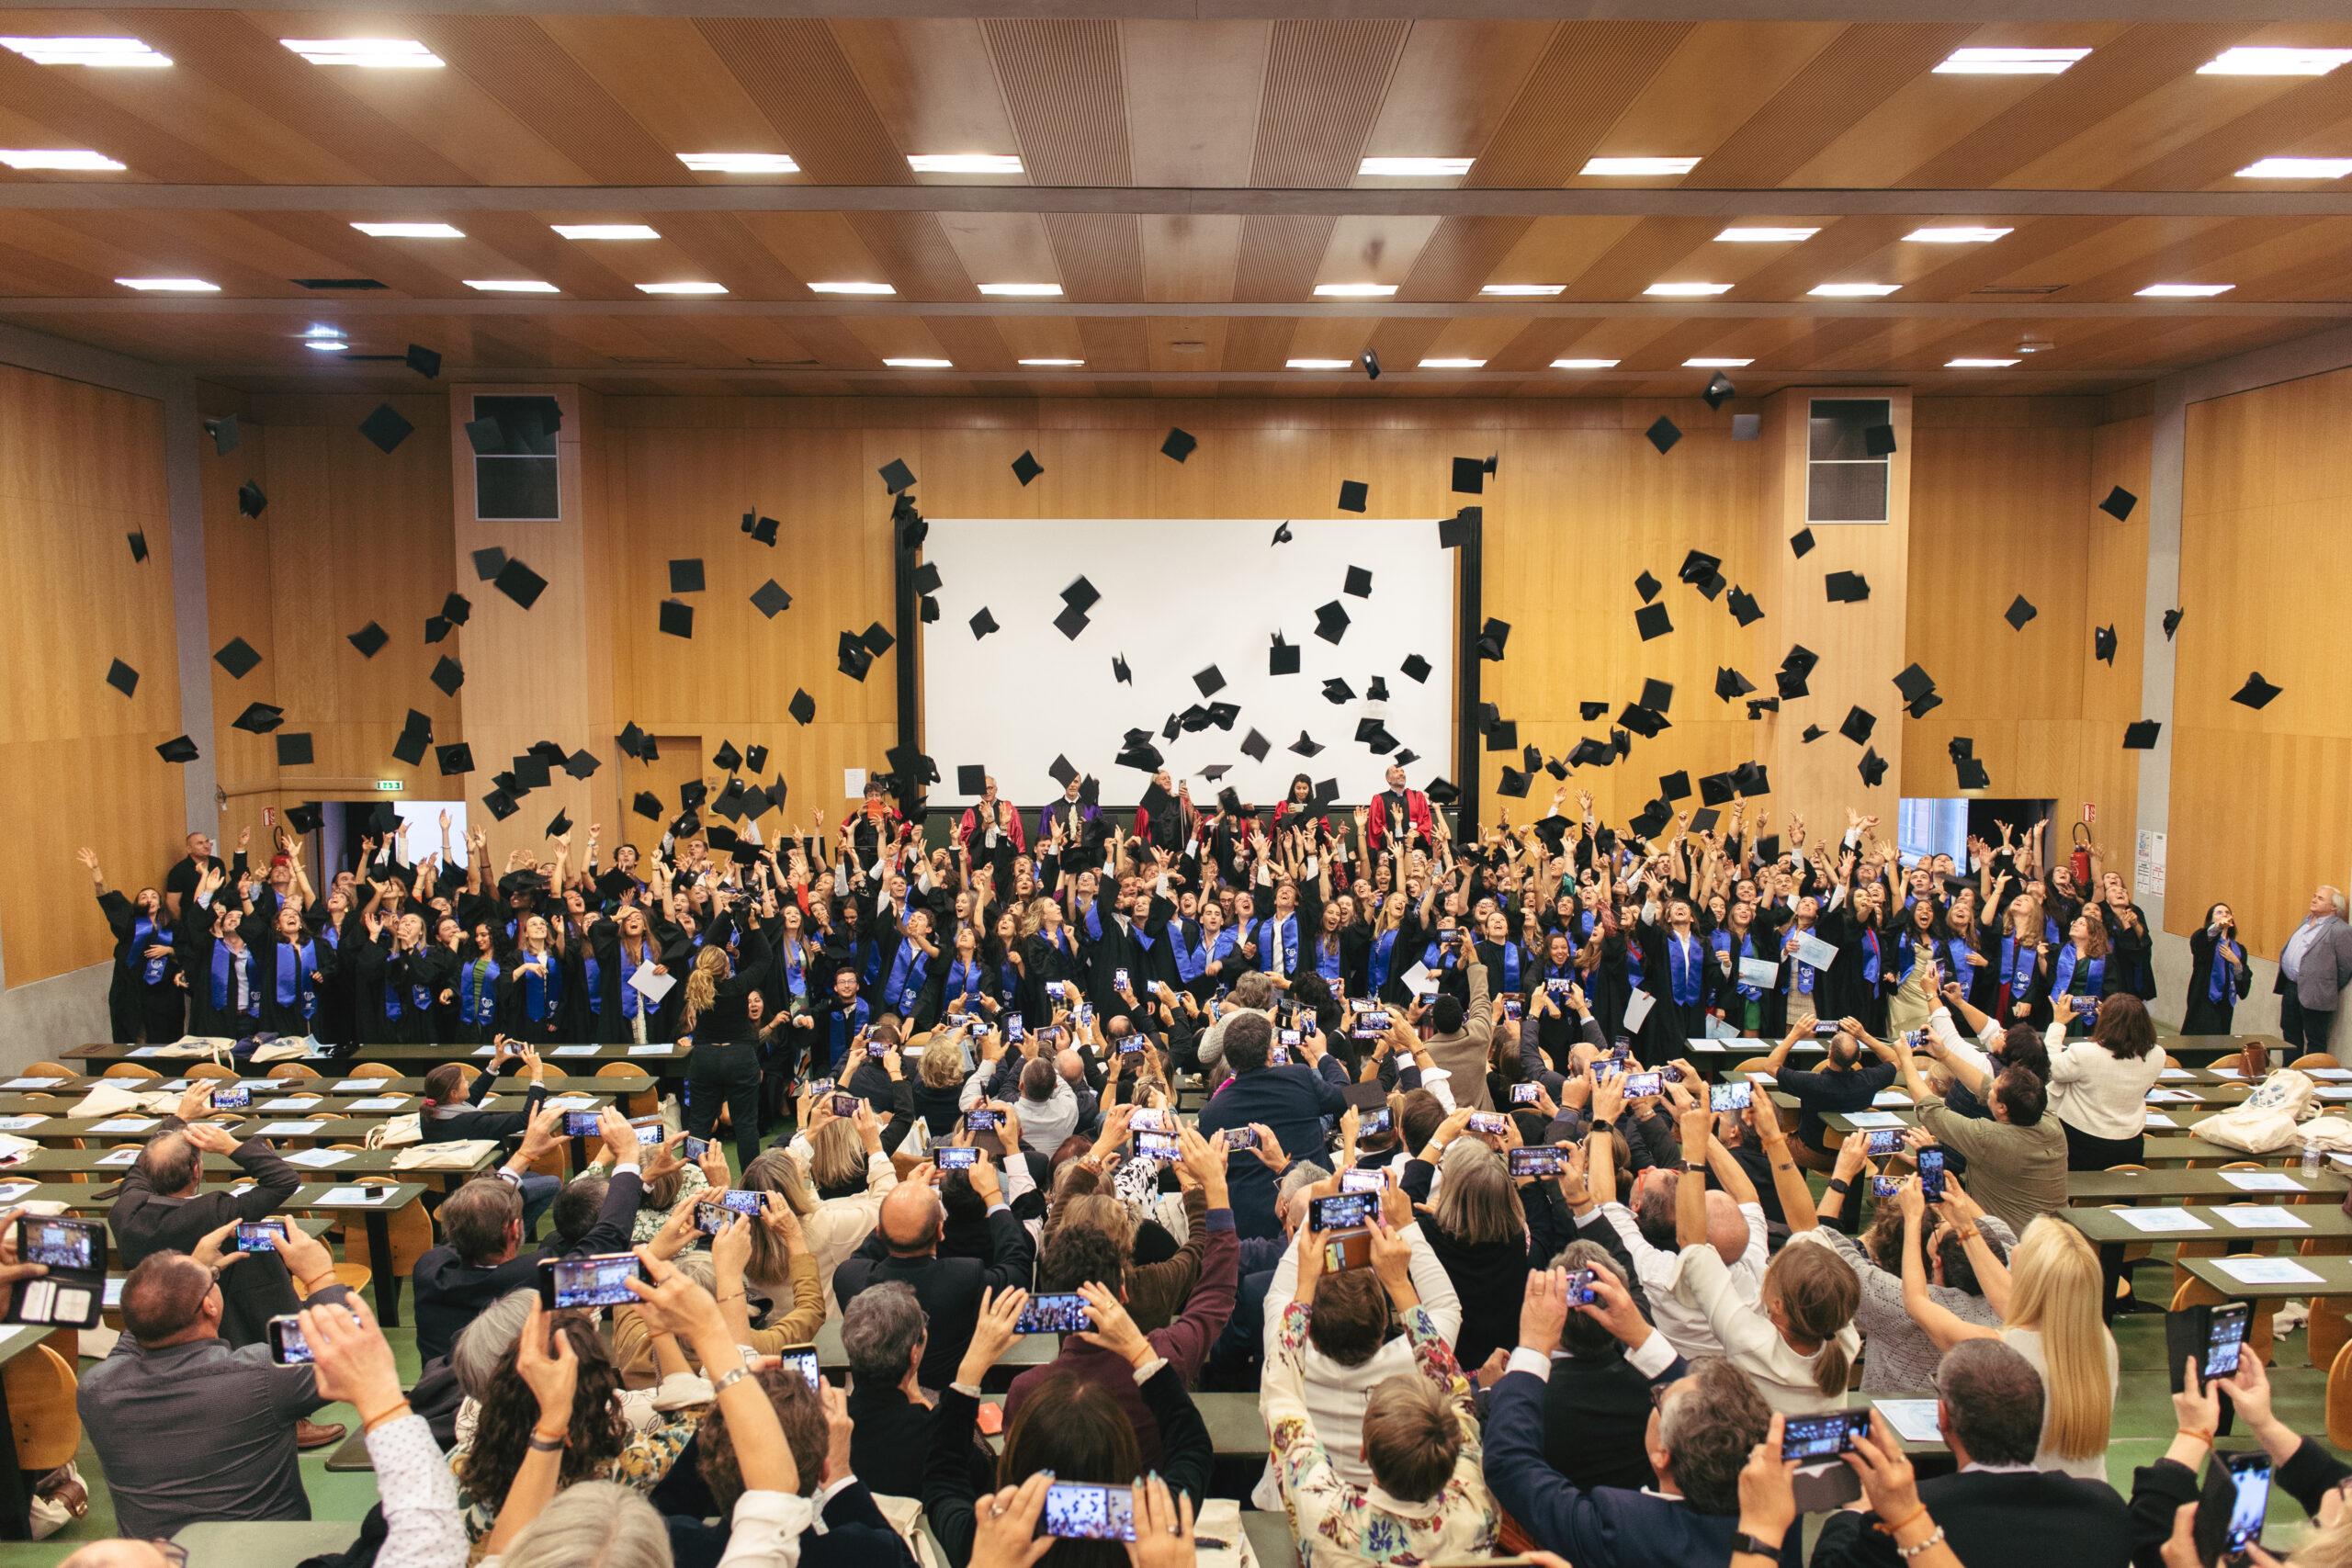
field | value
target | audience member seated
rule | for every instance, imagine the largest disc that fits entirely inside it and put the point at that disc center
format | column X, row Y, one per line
column 882, row 1335
column 1073, row 1428
column 1596, row 1403
column 2098, row 1087
column 1901, row 1358
column 906, row 1247
column 1418, row 1433
column 2017, row 1158
column 833, row 1227
column 1701, row 1429
column 449, row 1114
column 849, row 1530
column 482, row 1258
column 1854, row 1067
column 1482, row 1229
column 2164, row 1494
column 1989, row 1406
column 1092, row 1263
column 189, row 1428
column 667, row 1179
column 1289, row 1103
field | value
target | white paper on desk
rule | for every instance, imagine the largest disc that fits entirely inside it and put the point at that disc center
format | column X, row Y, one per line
column 485, row 1050
column 12, row 1191
column 2263, row 1217
column 1761, row 972
column 1814, row 952
column 652, row 1050
column 147, row 1051
column 2158, row 1118
column 1718, row 1030
column 1637, row 1007
column 1890, row 1097
column 289, row 1129
column 381, row 1102
column 1914, row 1420
column 2164, row 1219
column 2338, row 1092
column 2176, row 1073
column 576, row 1050
column 37, row 1083
column 2266, row 1271
column 289, row 1102
column 652, row 986
column 318, row 1159
column 117, row 1157
column 1874, row 1119
column 356, row 1086
column 124, row 1124
column 2333, row 1074
column 2229, row 1072
column 2263, row 1181
column 112, row 1293
column 570, row 1102
column 18, row 1123
column 340, row 1195
column 2171, row 1097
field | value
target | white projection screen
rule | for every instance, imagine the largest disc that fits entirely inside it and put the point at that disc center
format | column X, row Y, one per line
column 1016, row 699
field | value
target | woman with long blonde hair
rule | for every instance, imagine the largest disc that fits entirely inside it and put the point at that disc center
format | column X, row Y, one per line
column 2048, row 1297
column 723, row 1067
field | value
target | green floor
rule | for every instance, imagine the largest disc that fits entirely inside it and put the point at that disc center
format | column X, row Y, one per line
column 2143, row 1427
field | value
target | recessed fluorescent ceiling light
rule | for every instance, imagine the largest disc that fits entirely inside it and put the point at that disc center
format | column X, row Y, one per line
column 851, row 288
column 1766, row 236
column 919, row 364
column 410, row 231
column 1686, row 290
column 740, row 163
column 1638, row 166
column 379, row 53
column 1054, row 364
column 1956, row 234
column 170, row 285
column 327, row 345
column 1355, row 290
column 1524, row 290
column 1715, row 364
column 322, row 331
column 56, row 158
column 965, row 162
column 605, row 230
column 2297, row 169
column 1978, row 363
column 1414, row 168
column 2184, row 290
column 512, row 285
column 682, row 288
column 1023, row 290
column 1453, row 364
column 1584, row 365
column 1852, row 290
column 2008, row 62
column 105, row 52
column 1316, row 364
column 2257, row 60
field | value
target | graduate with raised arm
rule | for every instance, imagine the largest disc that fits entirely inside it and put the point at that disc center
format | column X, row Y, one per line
column 143, row 1000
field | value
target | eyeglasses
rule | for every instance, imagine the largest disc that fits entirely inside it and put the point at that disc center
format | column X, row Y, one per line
column 171, row 1552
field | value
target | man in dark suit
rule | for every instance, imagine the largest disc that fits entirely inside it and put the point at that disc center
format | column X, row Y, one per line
column 482, row 1257
column 1597, row 1400
column 1988, row 1401
column 1288, row 1101
column 1697, row 1440
column 882, row 1338
column 849, row 1532
column 905, row 1246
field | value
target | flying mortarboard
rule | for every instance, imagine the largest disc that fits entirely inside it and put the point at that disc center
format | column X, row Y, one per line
column 1359, row 582
column 424, row 361
column 647, row 805
column 1179, row 444
column 1674, row 785
column 1860, row 722
column 1492, row 636
column 260, row 719
column 486, row 437
column 487, row 562
column 1800, row 542
column 1209, row 681
column 1646, row 586
column 851, row 658
column 385, row 428
column 1590, row 711
column 1071, row 621
column 1645, row 722
column 1752, row 779
column 1878, row 440
column 676, row 618
column 1704, row 820
column 2141, row 735
column 1716, row 789
column 294, row 749
column 520, row 583
column 1812, row 732
column 2256, row 693
column 927, row 579
column 1027, row 467
column 138, row 538
column 1913, row 682
column 1719, row 390
column 1971, row 773
column 304, row 819
column 2103, row 643
column 1304, row 746
column 1663, row 433
column 632, row 741
column 1255, row 746
column 122, row 678
column 897, row 477
column 2119, row 503
column 1377, row 690
column 1370, row 363
column 972, row 779
column 1513, row 785
column 179, row 749
column 1652, row 820
column 448, row 674
column 1872, row 768
column 224, row 433
column 1081, row 595
column 686, row 575
column 1354, row 495
column 454, row 760
column 1281, row 657
column 1730, row 685
column 237, row 657
column 770, row 599
column 1442, row 792
column 876, row 640
column 1282, row 535
column 1744, row 607
column 1470, row 475
column 2172, row 623
column 1503, row 737
column 1332, row 622
column 2019, row 611
column 762, row 528
column 982, row 624
column 251, row 501
column 1336, row 690
column 1454, row 532
column 1651, row 621
column 726, row 758
column 803, row 708
column 1846, row 587
column 369, row 639
column 1415, row 668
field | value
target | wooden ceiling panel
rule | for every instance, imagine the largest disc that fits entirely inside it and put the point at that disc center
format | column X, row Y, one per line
column 2153, row 127
column 1719, row 76
column 931, row 83
column 1279, row 257
column 798, row 76
column 1323, row 87
column 816, row 247
column 549, row 94
column 2307, row 121
column 1555, row 250
column 1862, row 66
column 1576, row 91
column 1257, row 343
column 915, row 255
column 1062, row 84
column 726, row 247
column 1461, row 257
column 1189, row 259
column 972, row 342
column 1373, row 250
column 1403, row 341
column 1169, row 337
column 1677, row 250
column 1002, row 247
column 1453, row 87
column 1116, row 344
column 1197, row 125
column 665, row 75
column 1099, row 253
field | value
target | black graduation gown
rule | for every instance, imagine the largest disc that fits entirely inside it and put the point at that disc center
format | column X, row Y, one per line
column 2203, row 1015
column 136, row 1005
column 514, row 1016
column 1042, row 962
column 195, row 945
column 288, row 1017
column 383, row 979
column 2132, row 951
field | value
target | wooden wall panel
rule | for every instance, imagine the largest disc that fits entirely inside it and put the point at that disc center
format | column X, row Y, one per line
column 2264, row 582
column 81, row 467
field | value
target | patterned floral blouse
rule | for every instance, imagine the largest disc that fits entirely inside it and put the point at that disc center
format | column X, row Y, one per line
column 640, row 1467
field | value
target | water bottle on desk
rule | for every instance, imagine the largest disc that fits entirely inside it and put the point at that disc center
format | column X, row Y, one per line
column 2313, row 1159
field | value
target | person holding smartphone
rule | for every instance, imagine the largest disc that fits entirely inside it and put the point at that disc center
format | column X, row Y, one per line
column 2165, row 1494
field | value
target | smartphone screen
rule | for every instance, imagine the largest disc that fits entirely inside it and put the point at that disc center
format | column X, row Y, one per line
column 1156, row 1145
column 1052, row 1313
column 844, row 1105
column 1808, row 1438
column 231, row 1099
column 1015, row 1030
column 983, row 1121
column 601, row 1280
column 1886, row 1140
column 287, row 1346
column 692, row 1149
column 1536, row 1159
column 1358, row 1179
column 1289, row 1037
column 1079, row 1510
column 1512, row 1008
column 581, row 1123
column 59, row 1243
column 1149, row 1119
column 1640, row 1084
column 2250, row 1484
column 1884, row 1187
column 1247, row 1138
column 259, row 1236
column 1730, row 1096
column 1373, row 1121
column 1580, row 1291
column 2225, row 1338
column 1345, row 1211
column 952, row 1158
column 803, row 1359
column 818, row 1088
column 1931, row 1174
column 1525, row 1093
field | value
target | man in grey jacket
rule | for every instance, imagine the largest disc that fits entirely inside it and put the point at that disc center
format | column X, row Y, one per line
column 1462, row 1034
column 2313, row 968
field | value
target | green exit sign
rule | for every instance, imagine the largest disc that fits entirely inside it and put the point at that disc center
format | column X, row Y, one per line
column 389, row 786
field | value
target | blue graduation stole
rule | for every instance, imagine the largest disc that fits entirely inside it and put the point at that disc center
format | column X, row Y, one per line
column 2218, row 987
column 1327, row 958
column 221, row 985
column 2017, row 967
column 1870, row 956
column 2094, row 974
column 1383, row 955
column 538, row 991
column 796, row 969
column 908, row 970
column 1634, row 964
column 1094, row 923
column 841, row 1027
column 964, row 981
column 294, row 966
column 1721, row 942
column 1008, row 980
column 1279, row 933
column 1682, row 970
column 1586, row 920
column 1802, row 975
column 144, row 935
column 592, row 973
column 476, row 988
column 1956, row 952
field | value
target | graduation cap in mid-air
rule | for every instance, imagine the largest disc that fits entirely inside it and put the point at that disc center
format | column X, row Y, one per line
column 1860, row 722
column 1651, row 621
column 1646, row 586
column 1027, row 467
column 851, row 658
column 369, row 639
column 178, row 749
column 1802, row 542
column 803, row 708
column 138, row 538
column 762, row 528
column 686, row 575
column 1354, row 495
column 1332, row 622
column 2256, row 693
column 676, row 618
column 2172, row 623
column 1456, row 530
column 2103, row 643
column 122, row 678
column 1846, row 587
column 1492, row 636
column 1470, row 475
column 237, row 657
column 1914, row 684
column 385, row 428
column 1359, row 582
column 1872, row 768
column 448, row 676
column 897, row 477
column 454, row 760
column 1719, row 390
column 770, row 599
column 259, row 718
column 425, row 362
column 1730, row 685
column 1337, row 690
column 1370, row 363
column 982, row 623
column 2140, row 735
column 251, row 501
column 1744, row 607
column 1675, row 786
column 1119, row 671
column 519, row 582
column 1663, row 433
column 2019, row 611
column 1180, row 445
column 224, row 433
column 294, row 749
column 2119, row 503
column 1209, row 681
column 1878, row 440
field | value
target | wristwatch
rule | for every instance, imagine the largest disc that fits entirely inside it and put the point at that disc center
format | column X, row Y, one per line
column 1743, row 1542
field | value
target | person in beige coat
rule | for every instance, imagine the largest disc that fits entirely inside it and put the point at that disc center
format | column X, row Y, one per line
column 1461, row 1042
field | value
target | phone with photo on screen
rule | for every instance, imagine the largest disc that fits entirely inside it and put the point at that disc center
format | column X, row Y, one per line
column 953, row 1157
column 1931, row 1174
column 1737, row 1096
column 1884, row 1141
column 802, row 1358
column 1063, row 1312
column 2225, row 1334
column 1082, row 1510
column 598, row 1279
column 1806, row 1439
